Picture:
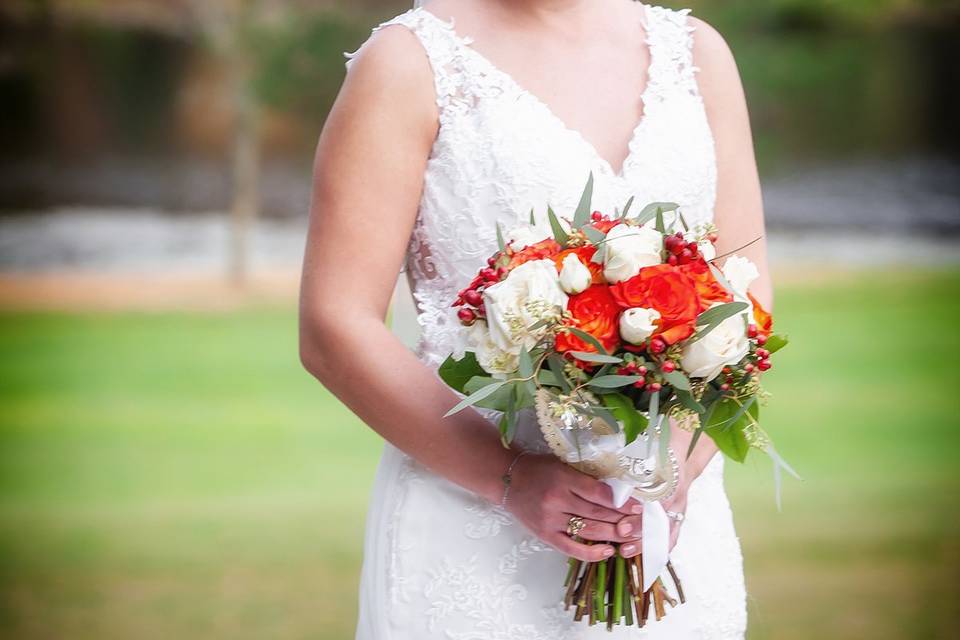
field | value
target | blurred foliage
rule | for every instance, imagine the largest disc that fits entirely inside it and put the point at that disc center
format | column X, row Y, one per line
column 178, row 475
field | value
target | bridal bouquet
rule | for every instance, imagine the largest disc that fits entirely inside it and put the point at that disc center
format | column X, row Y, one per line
column 608, row 325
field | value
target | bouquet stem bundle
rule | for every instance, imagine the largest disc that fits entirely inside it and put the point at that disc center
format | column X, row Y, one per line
column 611, row 592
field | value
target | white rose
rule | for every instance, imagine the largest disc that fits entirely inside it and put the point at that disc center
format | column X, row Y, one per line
column 526, row 235
column 574, row 276
column 529, row 293
column 628, row 249
column 637, row 324
column 492, row 358
column 740, row 273
column 726, row 344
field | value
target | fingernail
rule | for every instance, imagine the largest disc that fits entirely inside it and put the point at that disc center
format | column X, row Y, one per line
column 608, row 552
column 627, row 550
column 637, row 508
column 625, row 528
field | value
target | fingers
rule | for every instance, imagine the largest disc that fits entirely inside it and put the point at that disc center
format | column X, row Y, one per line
column 594, row 491
column 576, row 505
column 599, row 531
column 579, row 550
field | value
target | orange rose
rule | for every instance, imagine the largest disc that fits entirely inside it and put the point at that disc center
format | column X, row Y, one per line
column 544, row 249
column 763, row 318
column 584, row 254
column 668, row 290
column 595, row 312
column 709, row 289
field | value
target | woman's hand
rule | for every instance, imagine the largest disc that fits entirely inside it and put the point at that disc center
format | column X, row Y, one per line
column 545, row 493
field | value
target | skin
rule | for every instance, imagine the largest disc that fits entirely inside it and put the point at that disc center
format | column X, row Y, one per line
column 370, row 161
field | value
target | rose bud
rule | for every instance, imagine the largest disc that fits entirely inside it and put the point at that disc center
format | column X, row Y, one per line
column 574, row 276
column 657, row 345
column 637, row 324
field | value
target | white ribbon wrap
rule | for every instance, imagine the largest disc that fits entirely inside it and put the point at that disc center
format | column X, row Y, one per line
column 630, row 470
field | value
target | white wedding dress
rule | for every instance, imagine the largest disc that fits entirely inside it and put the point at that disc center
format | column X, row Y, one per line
column 440, row 562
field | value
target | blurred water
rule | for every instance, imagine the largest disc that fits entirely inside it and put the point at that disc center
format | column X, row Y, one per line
column 870, row 213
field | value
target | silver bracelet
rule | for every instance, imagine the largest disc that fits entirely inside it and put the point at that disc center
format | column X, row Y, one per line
column 507, row 477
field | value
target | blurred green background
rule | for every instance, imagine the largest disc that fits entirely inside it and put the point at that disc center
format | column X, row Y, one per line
column 167, row 469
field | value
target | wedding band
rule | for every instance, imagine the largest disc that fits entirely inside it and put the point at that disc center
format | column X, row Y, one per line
column 575, row 525
column 676, row 515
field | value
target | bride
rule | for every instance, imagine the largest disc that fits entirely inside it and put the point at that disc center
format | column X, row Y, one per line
column 455, row 117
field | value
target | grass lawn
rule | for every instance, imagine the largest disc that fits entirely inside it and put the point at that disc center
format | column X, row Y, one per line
column 179, row 476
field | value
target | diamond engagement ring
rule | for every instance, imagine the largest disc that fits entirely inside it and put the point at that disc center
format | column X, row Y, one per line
column 676, row 515
column 575, row 525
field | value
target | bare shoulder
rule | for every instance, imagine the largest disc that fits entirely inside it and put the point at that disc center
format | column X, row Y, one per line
column 718, row 77
column 392, row 53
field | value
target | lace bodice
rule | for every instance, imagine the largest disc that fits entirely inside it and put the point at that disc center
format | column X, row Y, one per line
column 500, row 151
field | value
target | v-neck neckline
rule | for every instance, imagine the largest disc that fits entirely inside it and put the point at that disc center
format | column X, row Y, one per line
column 465, row 43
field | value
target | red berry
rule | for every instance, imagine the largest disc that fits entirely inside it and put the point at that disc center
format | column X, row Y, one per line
column 488, row 274
column 763, row 354
column 763, row 365
column 467, row 316
column 639, row 384
column 761, row 339
column 492, row 260
column 693, row 247
column 748, row 367
column 668, row 366
column 653, row 387
column 642, row 371
column 672, row 260
column 725, row 386
column 657, row 345
column 726, row 369
column 596, row 216
column 473, row 298
column 752, row 330
column 686, row 255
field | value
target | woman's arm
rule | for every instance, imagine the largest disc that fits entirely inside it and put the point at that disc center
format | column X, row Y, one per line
column 368, row 178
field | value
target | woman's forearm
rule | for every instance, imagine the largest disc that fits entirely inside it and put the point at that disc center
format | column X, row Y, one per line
column 361, row 362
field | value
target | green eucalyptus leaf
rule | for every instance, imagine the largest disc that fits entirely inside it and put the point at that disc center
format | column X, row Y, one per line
column 589, row 356
column 558, row 233
column 593, row 234
column 586, row 337
column 677, row 380
column 613, row 381
column 476, row 397
column 649, row 212
column 533, row 221
column 582, row 214
column 626, row 208
column 720, row 312
column 555, row 362
column 500, row 242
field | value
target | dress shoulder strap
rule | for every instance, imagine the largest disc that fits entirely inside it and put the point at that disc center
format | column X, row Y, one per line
column 670, row 38
column 444, row 50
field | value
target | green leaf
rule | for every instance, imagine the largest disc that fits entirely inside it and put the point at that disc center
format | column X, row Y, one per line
column 586, row 337
column 720, row 312
column 686, row 399
column 626, row 208
column 600, row 254
column 634, row 422
column 677, row 380
column 555, row 362
column 727, row 423
column 659, row 224
column 456, row 373
column 593, row 234
column 532, row 219
column 475, row 397
column 558, row 233
column 525, row 368
column 683, row 221
column 582, row 214
column 775, row 342
column 605, row 415
column 547, row 378
column 650, row 211
column 589, row 356
column 613, row 381
column 500, row 243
